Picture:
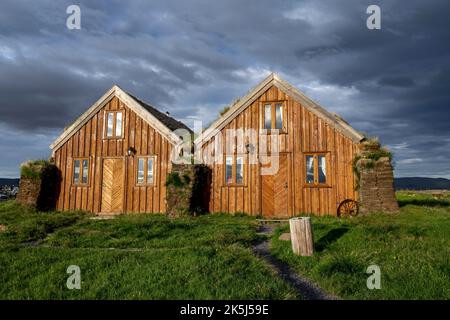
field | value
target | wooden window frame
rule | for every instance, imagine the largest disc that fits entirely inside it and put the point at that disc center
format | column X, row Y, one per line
column 114, row 136
column 316, row 184
column 145, row 183
column 80, row 178
column 273, row 119
column 233, row 170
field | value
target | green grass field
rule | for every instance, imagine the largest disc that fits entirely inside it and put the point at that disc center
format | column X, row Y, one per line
column 210, row 257
column 132, row 257
column 412, row 249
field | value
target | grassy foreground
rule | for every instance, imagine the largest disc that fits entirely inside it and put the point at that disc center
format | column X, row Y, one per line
column 209, row 257
column 132, row 257
column 412, row 249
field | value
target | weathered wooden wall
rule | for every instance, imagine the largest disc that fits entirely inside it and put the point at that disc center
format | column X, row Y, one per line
column 305, row 133
column 89, row 142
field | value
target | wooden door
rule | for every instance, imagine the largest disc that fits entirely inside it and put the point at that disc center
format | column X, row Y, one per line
column 112, row 186
column 275, row 190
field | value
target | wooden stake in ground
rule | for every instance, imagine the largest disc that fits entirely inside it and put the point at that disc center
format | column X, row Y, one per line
column 302, row 236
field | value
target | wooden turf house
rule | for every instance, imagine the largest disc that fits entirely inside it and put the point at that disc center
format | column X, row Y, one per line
column 115, row 157
column 315, row 153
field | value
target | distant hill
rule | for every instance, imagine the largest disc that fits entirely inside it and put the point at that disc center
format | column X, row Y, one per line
column 419, row 183
column 9, row 182
column 413, row 183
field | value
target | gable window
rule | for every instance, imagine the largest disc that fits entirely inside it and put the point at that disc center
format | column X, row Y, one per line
column 274, row 116
column 234, row 170
column 316, row 169
column 114, row 124
column 145, row 171
column 80, row 171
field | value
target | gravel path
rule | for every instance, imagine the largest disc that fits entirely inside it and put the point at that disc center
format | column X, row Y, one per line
column 306, row 289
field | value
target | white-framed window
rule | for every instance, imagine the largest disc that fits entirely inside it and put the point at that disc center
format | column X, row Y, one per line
column 316, row 166
column 114, row 124
column 274, row 116
column 145, row 171
column 234, row 170
column 81, row 171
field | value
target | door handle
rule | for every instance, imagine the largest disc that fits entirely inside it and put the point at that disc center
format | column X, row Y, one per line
column 285, row 184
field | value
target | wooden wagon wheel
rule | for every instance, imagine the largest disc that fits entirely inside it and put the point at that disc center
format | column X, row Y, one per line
column 348, row 207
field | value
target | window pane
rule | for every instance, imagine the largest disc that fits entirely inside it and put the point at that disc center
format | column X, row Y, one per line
column 309, row 169
column 118, row 124
column 279, row 116
column 267, row 116
column 109, row 131
column 76, row 171
column 229, row 170
column 322, row 169
column 84, row 179
column 150, row 171
column 140, row 177
column 239, row 170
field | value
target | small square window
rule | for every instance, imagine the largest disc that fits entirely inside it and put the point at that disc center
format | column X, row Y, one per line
column 316, row 169
column 234, row 170
column 145, row 171
column 81, row 171
column 114, row 124
column 274, row 114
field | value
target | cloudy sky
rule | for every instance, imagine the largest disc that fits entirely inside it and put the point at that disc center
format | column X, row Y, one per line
column 194, row 57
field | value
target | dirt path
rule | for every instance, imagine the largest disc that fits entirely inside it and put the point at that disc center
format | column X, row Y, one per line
column 306, row 289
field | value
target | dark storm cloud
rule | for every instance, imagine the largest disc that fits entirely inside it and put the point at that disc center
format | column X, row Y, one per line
column 193, row 57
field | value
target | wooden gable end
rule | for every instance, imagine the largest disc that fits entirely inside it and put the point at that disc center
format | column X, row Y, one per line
column 89, row 142
column 305, row 133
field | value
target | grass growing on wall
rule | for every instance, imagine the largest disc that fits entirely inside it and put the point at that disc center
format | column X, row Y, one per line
column 33, row 168
column 373, row 151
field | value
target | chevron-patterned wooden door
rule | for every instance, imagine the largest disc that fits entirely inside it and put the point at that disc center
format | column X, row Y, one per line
column 112, row 186
column 274, row 192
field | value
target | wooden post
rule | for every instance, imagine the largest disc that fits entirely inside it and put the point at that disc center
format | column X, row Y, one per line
column 302, row 236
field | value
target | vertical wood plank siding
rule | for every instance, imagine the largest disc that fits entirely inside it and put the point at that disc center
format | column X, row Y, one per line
column 305, row 133
column 89, row 142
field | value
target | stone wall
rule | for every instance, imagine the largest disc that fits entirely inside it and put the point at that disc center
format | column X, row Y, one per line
column 29, row 190
column 187, row 190
column 40, row 192
column 376, row 185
